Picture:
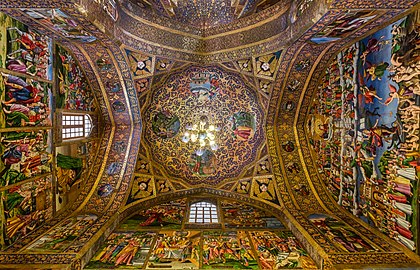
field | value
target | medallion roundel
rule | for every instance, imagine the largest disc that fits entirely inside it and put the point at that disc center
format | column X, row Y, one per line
column 203, row 125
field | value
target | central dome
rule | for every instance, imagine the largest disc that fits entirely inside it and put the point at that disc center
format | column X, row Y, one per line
column 206, row 13
column 224, row 101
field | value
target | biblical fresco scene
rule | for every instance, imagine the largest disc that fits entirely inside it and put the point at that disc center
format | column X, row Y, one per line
column 24, row 50
column 176, row 250
column 340, row 235
column 236, row 215
column 280, row 250
column 62, row 236
column 204, row 134
column 159, row 238
column 24, row 208
column 25, row 102
column 123, row 249
column 167, row 216
column 346, row 23
column 25, row 62
column 364, row 129
column 228, row 249
column 58, row 21
column 74, row 92
column 26, row 95
column 25, row 154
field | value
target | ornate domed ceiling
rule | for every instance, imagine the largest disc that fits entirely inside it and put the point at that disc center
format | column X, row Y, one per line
column 203, row 13
column 255, row 80
column 218, row 98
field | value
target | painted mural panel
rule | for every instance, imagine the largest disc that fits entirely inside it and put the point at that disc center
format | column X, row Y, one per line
column 24, row 208
column 169, row 216
column 23, row 50
column 278, row 250
column 25, row 154
column 364, row 128
column 176, row 250
column 340, row 234
column 74, row 92
column 59, row 21
column 147, row 240
column 216, row 249
column 61, row 237
column 228, row 250
column 346, row 23
column 123, row 250
column 25, row 102
column 68, row 171
column 73, row 162
column 237, row 215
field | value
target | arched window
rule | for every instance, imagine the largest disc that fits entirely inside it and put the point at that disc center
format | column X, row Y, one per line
column 203, row 212
column 76, row 126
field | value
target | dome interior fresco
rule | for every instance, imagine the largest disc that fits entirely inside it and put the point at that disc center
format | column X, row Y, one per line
column 226, row 102
column 205, row 14
column 209, row 134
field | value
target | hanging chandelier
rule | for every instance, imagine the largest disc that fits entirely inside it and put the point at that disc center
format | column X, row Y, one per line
column 201, row 135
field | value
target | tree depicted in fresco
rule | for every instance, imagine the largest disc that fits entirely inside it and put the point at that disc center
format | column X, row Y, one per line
column 68, row 171
column 165, row 125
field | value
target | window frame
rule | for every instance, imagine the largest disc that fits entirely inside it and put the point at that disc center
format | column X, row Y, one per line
column 203, row 212
column 75, row 126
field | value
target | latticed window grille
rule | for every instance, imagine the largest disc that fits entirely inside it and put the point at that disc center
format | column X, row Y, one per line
column 203, row 212
column 76, row 126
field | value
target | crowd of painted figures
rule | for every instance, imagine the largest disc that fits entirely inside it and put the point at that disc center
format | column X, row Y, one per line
column 26, row 91
column 26, row 102
column 365, row 129
column 27, row 206
column 27, row 51
column 60, row 238
column 182, row 249
column 150, row 240
column 342, row 236
column 73, row 89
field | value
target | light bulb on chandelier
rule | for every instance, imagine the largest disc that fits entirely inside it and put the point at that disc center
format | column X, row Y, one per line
column 202, row 135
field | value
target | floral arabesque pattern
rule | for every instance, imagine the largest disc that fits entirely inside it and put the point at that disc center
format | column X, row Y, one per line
column 175, row 97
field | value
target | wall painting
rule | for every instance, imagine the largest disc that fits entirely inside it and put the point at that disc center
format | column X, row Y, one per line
column 364, row 129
